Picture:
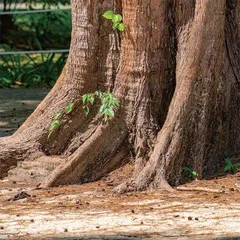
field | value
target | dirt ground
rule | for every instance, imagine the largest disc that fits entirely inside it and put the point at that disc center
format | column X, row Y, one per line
column 93, row 211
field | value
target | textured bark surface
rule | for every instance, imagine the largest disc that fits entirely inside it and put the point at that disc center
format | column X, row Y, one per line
column 175, row 70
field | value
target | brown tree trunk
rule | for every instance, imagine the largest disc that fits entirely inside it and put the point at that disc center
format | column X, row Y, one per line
column 175, row 70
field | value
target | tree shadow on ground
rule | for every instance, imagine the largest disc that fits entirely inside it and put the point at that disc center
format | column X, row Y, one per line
column 16, row 105
column 228, row 238
column 98, row 238
column 155, row 237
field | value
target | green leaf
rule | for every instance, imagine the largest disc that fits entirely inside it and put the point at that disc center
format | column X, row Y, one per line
column 121, row 27
column 115, row 26
column 115, row 102
column 194, row 173
column 55, row 125
column 49, row 134
column 237, row 165
column 102, row 109
column 91, row 99
column 84, row 98
column 116, row 18
column 59, row 113
column 104, row 100
column 119, row 16
column 109, row 112
column 86, row 110
column 234, row 169
column 227, row 168
column 187, row 169
column 105, row 117
column 100, row 95
column 69, row 108
column 228, row 161
column 108, row 14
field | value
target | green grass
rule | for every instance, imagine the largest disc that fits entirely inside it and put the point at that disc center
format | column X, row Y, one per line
column 35, row 70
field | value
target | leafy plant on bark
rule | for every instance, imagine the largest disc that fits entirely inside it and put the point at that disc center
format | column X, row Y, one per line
column 57, row 119
column 107, row 108
column 108, row 103
column 190, row 172
column 230, row 167
column 116, row 20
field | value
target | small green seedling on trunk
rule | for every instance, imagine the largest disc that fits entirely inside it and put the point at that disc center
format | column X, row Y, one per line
column 231, row 168
column 116, row 20
column 108, row 103
column 57, row 119
column 107, row 108
column 190, row 172
column 87, row 98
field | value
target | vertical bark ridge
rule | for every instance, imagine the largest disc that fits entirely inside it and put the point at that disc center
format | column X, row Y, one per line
column 133, row 68
column 108, row 49
column 194, row 106
column 233, row 37
column 146, row 77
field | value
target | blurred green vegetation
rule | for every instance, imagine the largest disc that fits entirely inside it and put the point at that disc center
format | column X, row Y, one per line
column 31, row 4
column 30, row 70
column 40, row 31
column 49, row 30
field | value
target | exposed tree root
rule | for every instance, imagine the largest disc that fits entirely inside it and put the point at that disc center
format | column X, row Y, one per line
column 93, row 159
column 136, row 185
column 14, row 150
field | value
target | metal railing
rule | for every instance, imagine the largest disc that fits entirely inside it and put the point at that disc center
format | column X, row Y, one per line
column 34, row 11
column 35, row 51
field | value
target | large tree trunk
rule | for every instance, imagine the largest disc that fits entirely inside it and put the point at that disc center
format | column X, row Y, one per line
column 175, row 70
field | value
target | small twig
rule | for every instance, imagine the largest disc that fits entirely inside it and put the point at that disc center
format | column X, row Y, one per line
column 18, row 196
column 201, row 189
column 237, row 185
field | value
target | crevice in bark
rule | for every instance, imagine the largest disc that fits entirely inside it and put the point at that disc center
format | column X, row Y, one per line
column 232, row 29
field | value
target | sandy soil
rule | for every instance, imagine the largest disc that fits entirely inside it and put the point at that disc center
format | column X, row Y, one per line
column 92, row 211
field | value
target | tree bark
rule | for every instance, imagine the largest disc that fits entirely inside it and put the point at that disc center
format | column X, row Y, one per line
column 175, row 70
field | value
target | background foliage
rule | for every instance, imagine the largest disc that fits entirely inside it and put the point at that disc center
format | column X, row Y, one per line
column 41, row 31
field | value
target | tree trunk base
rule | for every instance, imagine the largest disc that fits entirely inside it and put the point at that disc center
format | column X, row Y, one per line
column 131, row 186
column 174, row 70
column 34, row 172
